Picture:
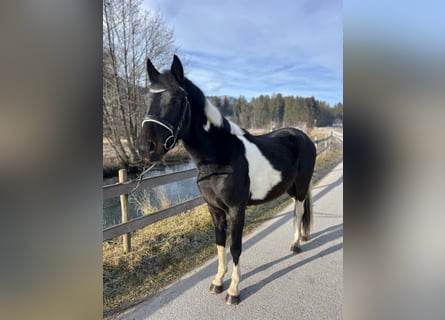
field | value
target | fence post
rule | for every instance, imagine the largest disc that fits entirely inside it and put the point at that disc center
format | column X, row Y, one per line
column 330, row 140
column 126, row 238
column 326, row 143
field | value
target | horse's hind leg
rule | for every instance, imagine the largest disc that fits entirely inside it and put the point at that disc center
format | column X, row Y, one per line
column 307, row 216
column 220, row 223
column 299, row 192
column 298, row 214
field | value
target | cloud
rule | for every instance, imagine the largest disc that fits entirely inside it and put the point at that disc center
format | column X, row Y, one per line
column 260, row 47
column 214, row 85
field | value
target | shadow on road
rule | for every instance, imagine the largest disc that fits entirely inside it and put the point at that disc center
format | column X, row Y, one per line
column 328, row 188
column 247, row 292
column 284, row 217
column 317, row 239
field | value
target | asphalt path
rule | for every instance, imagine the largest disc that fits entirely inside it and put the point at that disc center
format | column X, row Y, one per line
column 275, row 284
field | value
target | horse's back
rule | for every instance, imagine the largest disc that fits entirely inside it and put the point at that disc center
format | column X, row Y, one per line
column 284, row 132
column 290, row 141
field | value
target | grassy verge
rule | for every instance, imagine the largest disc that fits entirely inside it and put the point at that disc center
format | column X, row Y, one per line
column 164, row 251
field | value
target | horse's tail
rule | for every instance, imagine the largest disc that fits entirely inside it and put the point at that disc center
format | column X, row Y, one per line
column 307, row 215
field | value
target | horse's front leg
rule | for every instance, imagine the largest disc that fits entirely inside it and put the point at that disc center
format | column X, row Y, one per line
column 237, row 219
column 220, row 223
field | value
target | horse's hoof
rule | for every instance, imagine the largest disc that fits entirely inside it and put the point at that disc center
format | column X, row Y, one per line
column 232, row 300
column 295, row 249
column 216, row 289
column 304, row 238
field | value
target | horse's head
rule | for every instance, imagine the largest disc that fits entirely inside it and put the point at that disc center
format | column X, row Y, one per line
column 168, row 111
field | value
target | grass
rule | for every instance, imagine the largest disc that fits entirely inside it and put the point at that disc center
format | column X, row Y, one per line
column 166, row 250
column 144, row 204
column 160, row 254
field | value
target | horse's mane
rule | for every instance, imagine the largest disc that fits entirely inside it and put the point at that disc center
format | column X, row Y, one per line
column 212, row 114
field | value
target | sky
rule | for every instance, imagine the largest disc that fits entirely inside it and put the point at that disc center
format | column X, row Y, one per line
column 259, row 47
column 416, row 26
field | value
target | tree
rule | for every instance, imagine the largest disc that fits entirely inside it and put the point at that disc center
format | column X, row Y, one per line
column 244, row 114
column 227, row 110
column 313, row 110
column 325, row 115
column 131, row 34
column 338, row 111
column 256, row 113
column 277, row 109
column 291, row 114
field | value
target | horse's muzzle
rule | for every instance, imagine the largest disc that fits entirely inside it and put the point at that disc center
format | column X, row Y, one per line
column 147, row 150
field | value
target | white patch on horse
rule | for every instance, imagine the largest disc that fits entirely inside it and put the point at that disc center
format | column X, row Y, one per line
column 263, row 177
column 235, row 130
column 213, row 115
column 207, row 126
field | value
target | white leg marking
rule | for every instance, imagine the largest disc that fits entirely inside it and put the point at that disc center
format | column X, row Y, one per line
column 222, row 266
column 299, row 207
column 263, row 177
column 236, row 276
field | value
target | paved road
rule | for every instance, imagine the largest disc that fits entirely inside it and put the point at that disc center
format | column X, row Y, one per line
column 275, row 284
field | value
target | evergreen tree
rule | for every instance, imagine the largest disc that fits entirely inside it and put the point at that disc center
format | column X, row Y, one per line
column 267, row 112
column 276, row 109
column 226, row 109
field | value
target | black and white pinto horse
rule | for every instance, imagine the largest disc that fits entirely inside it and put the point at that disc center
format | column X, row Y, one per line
column 235, row 168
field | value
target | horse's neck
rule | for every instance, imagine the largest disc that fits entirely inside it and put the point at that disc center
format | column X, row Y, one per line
column 199, row 143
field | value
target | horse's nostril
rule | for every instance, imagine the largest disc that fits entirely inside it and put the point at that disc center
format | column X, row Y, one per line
column 151, row 146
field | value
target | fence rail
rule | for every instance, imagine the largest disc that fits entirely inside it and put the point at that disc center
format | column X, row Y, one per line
column 124, row 188
column 118, row 189
column 140, row 222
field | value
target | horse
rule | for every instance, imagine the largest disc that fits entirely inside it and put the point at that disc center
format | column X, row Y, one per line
column 235, row 168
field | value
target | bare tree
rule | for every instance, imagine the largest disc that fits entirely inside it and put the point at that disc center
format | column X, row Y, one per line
column 130, row 35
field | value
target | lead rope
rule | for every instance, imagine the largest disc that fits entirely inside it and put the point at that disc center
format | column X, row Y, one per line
column 142, row 175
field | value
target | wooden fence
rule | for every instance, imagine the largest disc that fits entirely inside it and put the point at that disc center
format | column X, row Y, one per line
column 123, row 188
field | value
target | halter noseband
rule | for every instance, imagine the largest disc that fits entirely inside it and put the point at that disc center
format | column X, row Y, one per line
column 170, row 141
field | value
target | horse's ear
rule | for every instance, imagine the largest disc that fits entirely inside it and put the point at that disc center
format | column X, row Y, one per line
column 176, row 69
column 153, row 74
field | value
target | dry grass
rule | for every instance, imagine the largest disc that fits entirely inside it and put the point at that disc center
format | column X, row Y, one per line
column 144, row 204
column 161, row 252
column 164, row 251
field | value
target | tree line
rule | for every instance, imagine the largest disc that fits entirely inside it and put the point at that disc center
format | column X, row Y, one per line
column 278, row 111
